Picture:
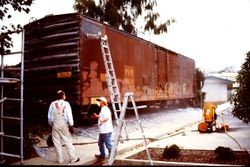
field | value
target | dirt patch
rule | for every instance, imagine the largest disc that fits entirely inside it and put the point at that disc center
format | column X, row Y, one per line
column 194, row 156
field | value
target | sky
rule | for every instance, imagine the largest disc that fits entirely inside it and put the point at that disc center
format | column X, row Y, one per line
column 215, row 33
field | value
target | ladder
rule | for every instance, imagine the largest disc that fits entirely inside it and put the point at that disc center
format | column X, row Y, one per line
column 120, row 124
column 8, row 117
column 157, row 99
column 157, row 103
column 113, row 88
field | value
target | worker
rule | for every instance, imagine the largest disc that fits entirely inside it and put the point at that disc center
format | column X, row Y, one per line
column 61, row 119
column 105, row 127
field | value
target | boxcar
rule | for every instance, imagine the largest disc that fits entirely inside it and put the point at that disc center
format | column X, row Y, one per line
column 59, row 54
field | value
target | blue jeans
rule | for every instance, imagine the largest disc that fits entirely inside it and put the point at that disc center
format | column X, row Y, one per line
column 104, row 138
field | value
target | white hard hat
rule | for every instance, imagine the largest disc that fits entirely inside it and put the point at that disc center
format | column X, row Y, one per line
column 102, row 99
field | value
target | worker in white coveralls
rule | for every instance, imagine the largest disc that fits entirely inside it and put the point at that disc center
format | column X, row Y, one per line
column 61, row 119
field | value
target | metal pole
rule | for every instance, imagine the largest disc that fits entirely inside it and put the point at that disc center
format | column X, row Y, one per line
column 2, row 57
column 21, row 97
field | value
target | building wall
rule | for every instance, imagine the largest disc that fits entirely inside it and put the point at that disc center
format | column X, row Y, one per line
column 216, row 91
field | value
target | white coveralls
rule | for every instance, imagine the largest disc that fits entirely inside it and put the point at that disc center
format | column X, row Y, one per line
column 60, row 117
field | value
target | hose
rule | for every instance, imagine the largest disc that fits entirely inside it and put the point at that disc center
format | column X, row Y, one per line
column 225, row 129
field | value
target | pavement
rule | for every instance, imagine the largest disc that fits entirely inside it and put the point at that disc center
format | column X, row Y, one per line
column 176, row 127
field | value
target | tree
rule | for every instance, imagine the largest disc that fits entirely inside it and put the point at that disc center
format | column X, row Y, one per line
column 241, row 99
column 200, row 96
column 123, row 14
column 6, row 30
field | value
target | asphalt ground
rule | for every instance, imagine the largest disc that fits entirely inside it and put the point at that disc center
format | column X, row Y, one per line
column 163, row 128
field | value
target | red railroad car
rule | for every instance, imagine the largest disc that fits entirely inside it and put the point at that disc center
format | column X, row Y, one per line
column 60, row 55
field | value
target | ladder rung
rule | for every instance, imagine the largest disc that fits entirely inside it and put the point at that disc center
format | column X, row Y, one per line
column 110, row 70
column 116, row 102
column 107, row 55
column 13, row 118
column 108, row 63
column 104, row 38
column 105, row 46
column 11, row 69
column 116, row 97
column 10, row 155
column 108, row 66
column 13, row 53
column 11, row 136
column 117, row 109
column 9, row 80
column 138, row 107
column 13, row 99
column 111, row 77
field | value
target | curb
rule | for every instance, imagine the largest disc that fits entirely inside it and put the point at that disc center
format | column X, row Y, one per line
column 160, row 163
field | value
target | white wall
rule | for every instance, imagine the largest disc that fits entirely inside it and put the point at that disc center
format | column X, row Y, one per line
column 216, row 91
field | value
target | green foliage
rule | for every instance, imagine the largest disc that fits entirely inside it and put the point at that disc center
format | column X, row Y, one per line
column 224, row 153
column 241, row 99
column 123, row 14
column 6, row 30
column 171, row 152
column 200, row 96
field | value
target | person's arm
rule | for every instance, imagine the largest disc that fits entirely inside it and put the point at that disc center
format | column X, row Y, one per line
column 106, row 116
column 96, row 115
column 103, row 120
column 68, row 111
column 50, row 115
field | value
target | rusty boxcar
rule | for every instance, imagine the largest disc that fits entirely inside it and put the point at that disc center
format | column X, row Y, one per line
column 60, row 55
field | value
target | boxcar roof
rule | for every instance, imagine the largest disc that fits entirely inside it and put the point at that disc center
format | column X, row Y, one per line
column 53, row 17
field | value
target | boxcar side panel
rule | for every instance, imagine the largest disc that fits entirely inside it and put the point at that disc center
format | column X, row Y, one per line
column 51, row 58
column 133, row 61
column 141, row 67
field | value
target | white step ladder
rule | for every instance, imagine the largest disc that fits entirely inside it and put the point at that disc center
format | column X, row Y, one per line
column 118, row 128
column 113, row 88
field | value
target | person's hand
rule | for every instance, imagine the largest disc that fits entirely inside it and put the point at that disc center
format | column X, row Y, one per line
column 94, row 116
column 101, row 122
column 71, row 129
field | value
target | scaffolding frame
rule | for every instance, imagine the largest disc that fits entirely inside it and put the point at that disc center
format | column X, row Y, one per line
column 14, row 81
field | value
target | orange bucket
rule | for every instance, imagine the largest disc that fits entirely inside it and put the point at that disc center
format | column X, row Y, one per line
column 202, row 127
